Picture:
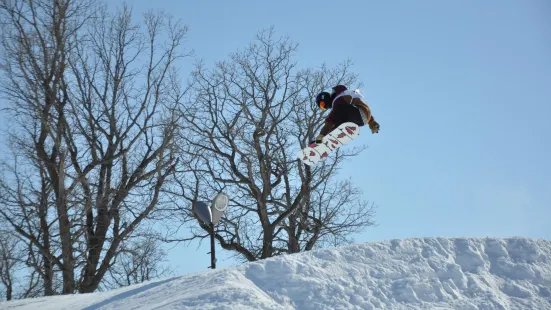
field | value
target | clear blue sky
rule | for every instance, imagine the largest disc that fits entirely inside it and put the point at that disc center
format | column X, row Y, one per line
column 461, row 89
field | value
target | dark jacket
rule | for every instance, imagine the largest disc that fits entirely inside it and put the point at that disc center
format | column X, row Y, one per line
column 346, row 109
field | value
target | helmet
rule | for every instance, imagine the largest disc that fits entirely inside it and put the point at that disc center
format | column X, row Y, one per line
column 323, row 100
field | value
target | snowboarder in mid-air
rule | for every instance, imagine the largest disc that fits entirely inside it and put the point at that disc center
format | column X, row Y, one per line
column 347, row 106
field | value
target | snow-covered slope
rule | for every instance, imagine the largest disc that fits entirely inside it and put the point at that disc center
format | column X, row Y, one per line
column 428, row 273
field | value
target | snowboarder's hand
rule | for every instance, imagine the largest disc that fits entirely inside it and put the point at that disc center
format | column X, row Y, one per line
column 317, row 141
column 374, row 126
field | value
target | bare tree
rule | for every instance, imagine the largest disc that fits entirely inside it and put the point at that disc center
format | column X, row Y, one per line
column 33, row 277
column 126, row 130
column 18, row 277
column 244, row 126
column 92, row 97
column 139, row 260
column 9, row 262
column 35, row 48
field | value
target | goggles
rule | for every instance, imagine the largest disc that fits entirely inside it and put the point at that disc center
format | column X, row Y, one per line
column 323, row 106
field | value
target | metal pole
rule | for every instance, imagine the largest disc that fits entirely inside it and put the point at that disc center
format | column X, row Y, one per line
column 212, row 247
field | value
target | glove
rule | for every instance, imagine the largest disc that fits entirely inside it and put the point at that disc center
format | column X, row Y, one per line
column 374, row 126
column 318, row 140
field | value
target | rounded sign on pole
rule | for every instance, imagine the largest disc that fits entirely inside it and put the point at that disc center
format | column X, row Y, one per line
column 218, row 207
column 203, row 212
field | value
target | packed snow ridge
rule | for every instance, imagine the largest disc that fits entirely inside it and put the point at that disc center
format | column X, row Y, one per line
column 426, row 273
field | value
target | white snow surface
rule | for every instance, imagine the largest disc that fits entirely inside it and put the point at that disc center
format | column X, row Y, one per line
column 421, row 273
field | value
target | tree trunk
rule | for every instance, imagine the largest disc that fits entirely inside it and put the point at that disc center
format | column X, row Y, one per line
column 64, row 230
column 48, row 272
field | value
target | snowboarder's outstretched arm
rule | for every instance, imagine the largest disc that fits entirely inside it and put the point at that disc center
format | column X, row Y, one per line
column 367, row 115
column 330, row 124
column 327, row 127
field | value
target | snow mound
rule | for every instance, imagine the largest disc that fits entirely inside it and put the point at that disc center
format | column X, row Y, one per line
column 425, row 273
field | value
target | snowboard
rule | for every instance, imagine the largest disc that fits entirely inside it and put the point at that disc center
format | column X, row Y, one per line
column 340, row 136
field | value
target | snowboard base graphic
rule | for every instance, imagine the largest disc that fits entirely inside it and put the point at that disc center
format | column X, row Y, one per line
column 340, row 136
